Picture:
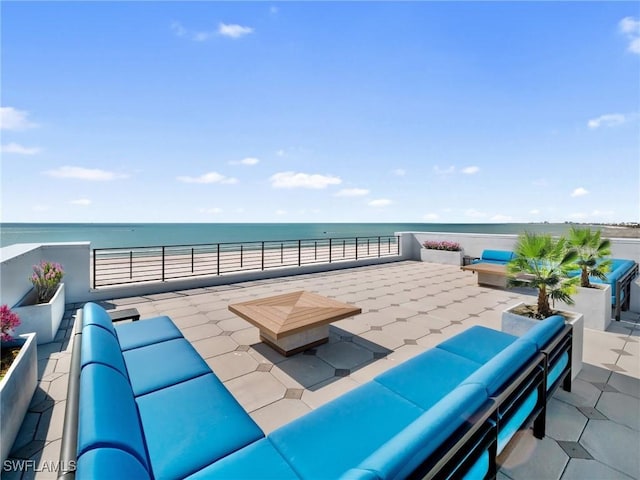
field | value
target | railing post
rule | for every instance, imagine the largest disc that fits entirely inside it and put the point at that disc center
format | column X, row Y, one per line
column 130, row 264
column 330, row 248
column 163, row 264
column 315, row 250
column 218, row 259
column 356, row 248
column 281, row 253
column 343, row 248
column 299, row 252
column 368, row 252
column 241, row 256
column 262, row 261
column 95, row 252
column 192, row 260
column 378, row 247
column 398, row 241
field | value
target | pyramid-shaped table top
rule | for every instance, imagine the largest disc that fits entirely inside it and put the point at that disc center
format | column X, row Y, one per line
column 292, row 313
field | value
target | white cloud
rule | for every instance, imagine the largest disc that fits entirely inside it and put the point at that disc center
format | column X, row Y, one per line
column 281, row 212
column 211, row 177
column 41, row 208
column 470, row 170
column 281, row 153
column 81, row 201
column 541, row 182
column 535, row 211
column 178, row 29
column 608, row 120
column 431, row 216
column 578, row 216
column 380, row 202
column 211, row 211
column 245, row 161
column 13, row 119
column 634, row 45
column 233, row 30
column 302, row 180
column 473, row 213
column 579, row 192
column 81, row 173
column 444, row 171
column 19, row 149
column 352, row 192
column 630, row 27
column 400, row 172
column 501, row 218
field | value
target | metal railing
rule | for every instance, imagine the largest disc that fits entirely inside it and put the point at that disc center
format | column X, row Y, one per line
column 117, row 266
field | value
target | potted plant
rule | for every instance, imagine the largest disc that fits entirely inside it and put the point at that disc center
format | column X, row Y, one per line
column 449, row 253
column 42, row 308
column 18, row 377
column 544, row 263
column 593, row 300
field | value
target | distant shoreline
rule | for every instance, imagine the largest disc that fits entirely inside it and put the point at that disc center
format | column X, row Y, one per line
column 621, row 231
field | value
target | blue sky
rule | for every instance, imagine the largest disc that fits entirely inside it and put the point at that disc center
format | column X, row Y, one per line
column 320, row 112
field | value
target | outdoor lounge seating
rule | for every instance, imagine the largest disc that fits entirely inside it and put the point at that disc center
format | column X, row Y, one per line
column 498, row 257
column 619, row 277
column 449, row 410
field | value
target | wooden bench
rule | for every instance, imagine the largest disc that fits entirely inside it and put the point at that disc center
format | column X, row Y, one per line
column 125, row 314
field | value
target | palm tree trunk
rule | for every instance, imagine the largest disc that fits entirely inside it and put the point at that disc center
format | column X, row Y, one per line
column 584, row 278
column 543, row 302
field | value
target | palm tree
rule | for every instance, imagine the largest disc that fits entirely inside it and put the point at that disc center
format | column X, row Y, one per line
column 544, row 263
column 591, row 250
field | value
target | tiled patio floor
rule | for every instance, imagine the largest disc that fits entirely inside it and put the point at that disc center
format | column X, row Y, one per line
column 408, row 307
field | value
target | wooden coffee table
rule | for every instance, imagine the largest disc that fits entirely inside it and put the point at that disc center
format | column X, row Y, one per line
column 492, row 274
column 294, row 322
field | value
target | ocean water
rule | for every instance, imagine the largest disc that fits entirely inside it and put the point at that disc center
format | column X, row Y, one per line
column 108, row 235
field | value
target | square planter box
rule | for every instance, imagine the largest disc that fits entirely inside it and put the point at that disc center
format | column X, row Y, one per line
column 441, row 256
column 518, row 325
column 42, row 318
column 16, row 389
column 594, row 304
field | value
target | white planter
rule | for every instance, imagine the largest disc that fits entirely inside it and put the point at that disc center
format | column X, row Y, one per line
column 594, row 304
column 518, row 325
column 441, row 256
column 42, row 318
column 16, row 389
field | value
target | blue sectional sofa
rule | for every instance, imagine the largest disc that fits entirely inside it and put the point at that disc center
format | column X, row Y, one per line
column 619, row 277
column 500, row 257
column 143, row 404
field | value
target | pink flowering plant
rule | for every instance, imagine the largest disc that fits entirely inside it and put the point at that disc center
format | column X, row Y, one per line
column 45, row 278
column 448, row 246
column 9, row 321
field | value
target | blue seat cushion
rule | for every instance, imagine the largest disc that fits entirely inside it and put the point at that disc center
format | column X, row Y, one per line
column 162, row 365
column 497, row 256
column 258, row 460
column 557, row 369
column 146, row 332
column 403, row 452
column 495, row 374
column 478, row 344
column 339, row 435
column 99, row 346
column 193, row 424
column 107, row 414
column 94, row 314
column 428, row 377
column 109, row 463
column 544, row 331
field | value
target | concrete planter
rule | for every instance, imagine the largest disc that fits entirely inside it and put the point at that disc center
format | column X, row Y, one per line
column 594, row 304
column 441, row 256
column 518, row 325
column 16, row 389
column 42, row 318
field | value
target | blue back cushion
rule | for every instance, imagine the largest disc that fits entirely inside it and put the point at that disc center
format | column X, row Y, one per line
column 146, row 332
column 495, row 374
column 497, row 255
column 99, row 346
column 478, row 344
column 428, row 377
column 544, row 331
column 107, row 415
column 109, row 463
column 94, row 314
column 340, row 434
